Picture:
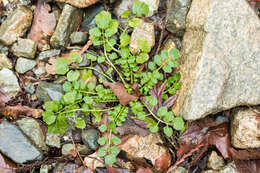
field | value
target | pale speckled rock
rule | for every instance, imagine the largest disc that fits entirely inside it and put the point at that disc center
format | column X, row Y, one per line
column 25, row 48
column 153, row 6
column 220, row 58
column 78, row 38
column 5, row 62
column 32, row 129
column 52, row 140
column 144, row 30
column 23, row 65
column 47, row 91
column 245, row 128
column 68, row 22
column 177, row 12
column 82, row 149
column 179, row 170
column 45, row 55
column 15, row 25
column 79, row 3
column 9, row 82
column 215, row 161
column 229, row 168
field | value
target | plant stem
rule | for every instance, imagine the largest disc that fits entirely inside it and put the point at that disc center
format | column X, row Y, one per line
column 89, row 110
column 87, row 92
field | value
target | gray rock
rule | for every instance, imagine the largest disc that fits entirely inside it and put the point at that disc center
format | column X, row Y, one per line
column 230, row 168
column 215, row 161
column 79, row 3
column 15, row 25
column 52, row 140
column 89, row 20
column 220, row 58
column 244, row 128
column 153, row 6
column 25, row 48
column 23, row 65
column 45, row 55
column 85, row 61
column 38, row 71
column 179, row 170
column 45, row 168
column 48, row 91
column 65, row 168
column 82, row 149
column 3, row 49
column 177, row 12
column 144, row 30
column 32, row 129
column 122, row 6
column 78, row 38
column 69, row 20
column 90, row 137
column 16, row 145
column 9, row 82
column 29, row 88
column 5, row 62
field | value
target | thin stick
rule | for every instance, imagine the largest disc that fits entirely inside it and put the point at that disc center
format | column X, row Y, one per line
column 89, row 43
column 76, row 148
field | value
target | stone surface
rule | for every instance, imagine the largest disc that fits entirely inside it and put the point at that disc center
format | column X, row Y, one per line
column 179, row 170
column 29, row 88
column 177, row 12
column 5, row 62
column 153, row 6
column 230, row 168
column 144, row 30
column 9, row 82
column 3, row 49
column 53, row 140
column 137, row 146
column 90, row 137
column 245, row 128
column 45, row 55
column 79, row 3
column 15, row 25
column 23, row 65
column 38, row 71
column 16, row 145
column 82, row 149
column 220, row 58
column 48, row 91
column 25, row 48
column 68, row 22
column 32, row 129
column 215, row 161
column 78, row 38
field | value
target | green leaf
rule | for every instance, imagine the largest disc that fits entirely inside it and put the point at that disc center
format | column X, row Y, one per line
column 151, row 66
column 114, row 150
column 101, row 59
column 134, row 22
column 168, row 131
column 112, row 29
column 91, row 57
column 91, row 86
column 116, row 140
column 61, row 66
column 140, row 8
column 178, row 123
column 103, row 19
column 69, row 98
column 67, row 86
column 143, row 45
column 102, row 141
column 154, row 128
column 153, row 101
column 73, row 75
column 167, row 69
column 102, row 152
column 95, row 32
column 124, row 39
column 162, row 111
column 125, row 14
column 113, row 56
column 164, row 54
column 51, row 106
column 80, row 123
column 61, row 123
column 102, row 128
column 75, row 57
column 174, row 53
column 157, row 59
column 168, row 117
column 110, row 159
column 48, row 117
column 142, row 58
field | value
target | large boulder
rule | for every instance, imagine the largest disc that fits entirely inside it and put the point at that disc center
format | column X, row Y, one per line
column 220, row 58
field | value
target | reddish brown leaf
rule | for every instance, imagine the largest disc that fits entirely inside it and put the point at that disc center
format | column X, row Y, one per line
column 144, row 170
column 6, row 166
column 14, row 112
column 110, row 169
column 252, row 154
column 248, row 166
column 50, row 67
column 121, row 93
column 43, row 25
column 163, row 162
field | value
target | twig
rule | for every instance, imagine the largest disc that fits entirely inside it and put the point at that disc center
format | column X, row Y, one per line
column 76, row 148
column 87, row 45
column 184, row 157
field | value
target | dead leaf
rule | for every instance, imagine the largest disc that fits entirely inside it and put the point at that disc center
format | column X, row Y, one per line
column 110, row 169
column 163, row 162
column 247, row 166
column 83, row 169
column 6, row 166
column 50, row 67
column 144, row 170
column 121, row 93
column 44, row 23
column 14, row 112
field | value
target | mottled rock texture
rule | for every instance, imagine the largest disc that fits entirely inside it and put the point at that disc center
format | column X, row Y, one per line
column 79, row 3
column 220, row 58
column 15, row 25
column 245, row 128
column 9, row 82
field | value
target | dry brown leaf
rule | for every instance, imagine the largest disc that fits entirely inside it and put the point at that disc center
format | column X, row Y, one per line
column 163, row 162
column 14, row 112
column 50, row 67
column 44, row 23
column 110, row 169
column 248, row 166
column 6, row 166
column 144, row 170
column 121, row 93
